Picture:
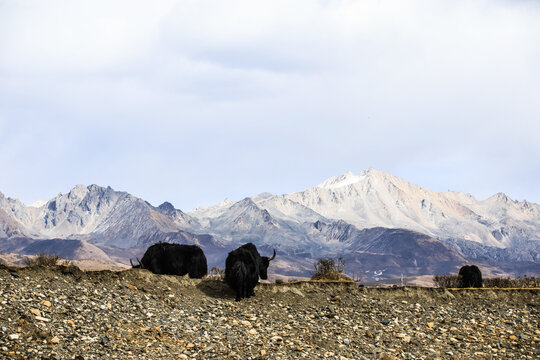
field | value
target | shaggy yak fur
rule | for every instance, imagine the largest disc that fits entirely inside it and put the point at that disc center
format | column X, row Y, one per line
column 470, row 276
column 174, row 259
column 243, row 268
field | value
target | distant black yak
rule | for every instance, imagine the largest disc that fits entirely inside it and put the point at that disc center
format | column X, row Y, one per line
column 470, row 276
column 243, row 268
column 174, row 259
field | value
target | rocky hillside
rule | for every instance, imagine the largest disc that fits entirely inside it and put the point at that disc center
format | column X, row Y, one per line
column 64, row 313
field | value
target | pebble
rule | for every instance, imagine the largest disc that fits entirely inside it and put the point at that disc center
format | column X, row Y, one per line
column 202, row 321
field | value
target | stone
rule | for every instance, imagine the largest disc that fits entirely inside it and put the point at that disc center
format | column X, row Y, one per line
column 430, row 325
column 47, row 303
column 14, row 337
column 35, row 312
column 40, row 318
column 55, row 340
column 407, row 339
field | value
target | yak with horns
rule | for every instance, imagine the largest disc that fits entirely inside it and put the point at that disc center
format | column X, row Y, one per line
column 243, row 268
column 174, row 259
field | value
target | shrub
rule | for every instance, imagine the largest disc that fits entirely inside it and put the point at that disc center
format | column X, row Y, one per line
column 522, row 282
column 453, row 281
column 447, row 281
column 329, row 269
column 216, row 273
column 42, row 260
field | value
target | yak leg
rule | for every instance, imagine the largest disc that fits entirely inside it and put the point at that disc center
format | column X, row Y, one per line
column 239, row 292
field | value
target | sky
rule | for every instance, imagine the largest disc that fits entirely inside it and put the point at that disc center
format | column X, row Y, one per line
column 196, row 101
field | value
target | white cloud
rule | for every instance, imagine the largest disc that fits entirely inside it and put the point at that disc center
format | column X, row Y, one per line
column 258, row 88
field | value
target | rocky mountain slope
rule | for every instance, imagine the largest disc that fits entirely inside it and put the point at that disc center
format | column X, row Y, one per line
column 376, row 199
column 381, row 224
column 494, row 230
column 92, row 222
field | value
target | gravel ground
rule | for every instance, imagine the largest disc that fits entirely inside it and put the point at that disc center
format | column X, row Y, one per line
column 64, row 313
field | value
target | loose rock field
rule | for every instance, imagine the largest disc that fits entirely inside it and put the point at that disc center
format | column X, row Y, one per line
column 64, row 313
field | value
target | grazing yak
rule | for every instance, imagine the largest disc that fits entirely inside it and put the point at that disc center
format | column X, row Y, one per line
column 470, row 276
column 174, row 259
column 243, row 268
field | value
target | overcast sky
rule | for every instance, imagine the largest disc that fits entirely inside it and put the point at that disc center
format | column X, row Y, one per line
column 196, row 101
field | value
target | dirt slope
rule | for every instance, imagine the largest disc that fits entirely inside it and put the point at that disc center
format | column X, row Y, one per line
column 64, row 313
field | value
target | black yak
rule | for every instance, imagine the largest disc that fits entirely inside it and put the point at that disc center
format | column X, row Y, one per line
column 174, row 259
column 243, row 268
column 470, row 276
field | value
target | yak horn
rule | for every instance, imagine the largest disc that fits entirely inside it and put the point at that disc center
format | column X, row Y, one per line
column 131, row 262
column 139, row 261
column 273, row 256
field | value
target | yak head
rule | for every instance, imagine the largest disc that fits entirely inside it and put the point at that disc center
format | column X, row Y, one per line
column 264, row 266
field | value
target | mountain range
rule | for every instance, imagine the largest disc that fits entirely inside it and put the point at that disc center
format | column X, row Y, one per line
column 380, row 224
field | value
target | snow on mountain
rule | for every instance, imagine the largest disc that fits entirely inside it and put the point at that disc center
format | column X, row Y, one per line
column 338, row 216
column 38, row 203
column 376, row 220
column 93, row 213
column 373, row 198
column 286, row 209
column 103, row 214
column 204, row 214
column 180, row 218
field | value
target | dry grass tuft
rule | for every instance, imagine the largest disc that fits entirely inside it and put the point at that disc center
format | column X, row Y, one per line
column 42, row 260
column 330, row 269
column 216, row 273
column 453, row 281
column 522, row 282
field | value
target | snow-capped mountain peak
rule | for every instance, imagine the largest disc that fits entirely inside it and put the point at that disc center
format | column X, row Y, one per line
column 38, row 203
column 374, row 198
column 342, row 180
